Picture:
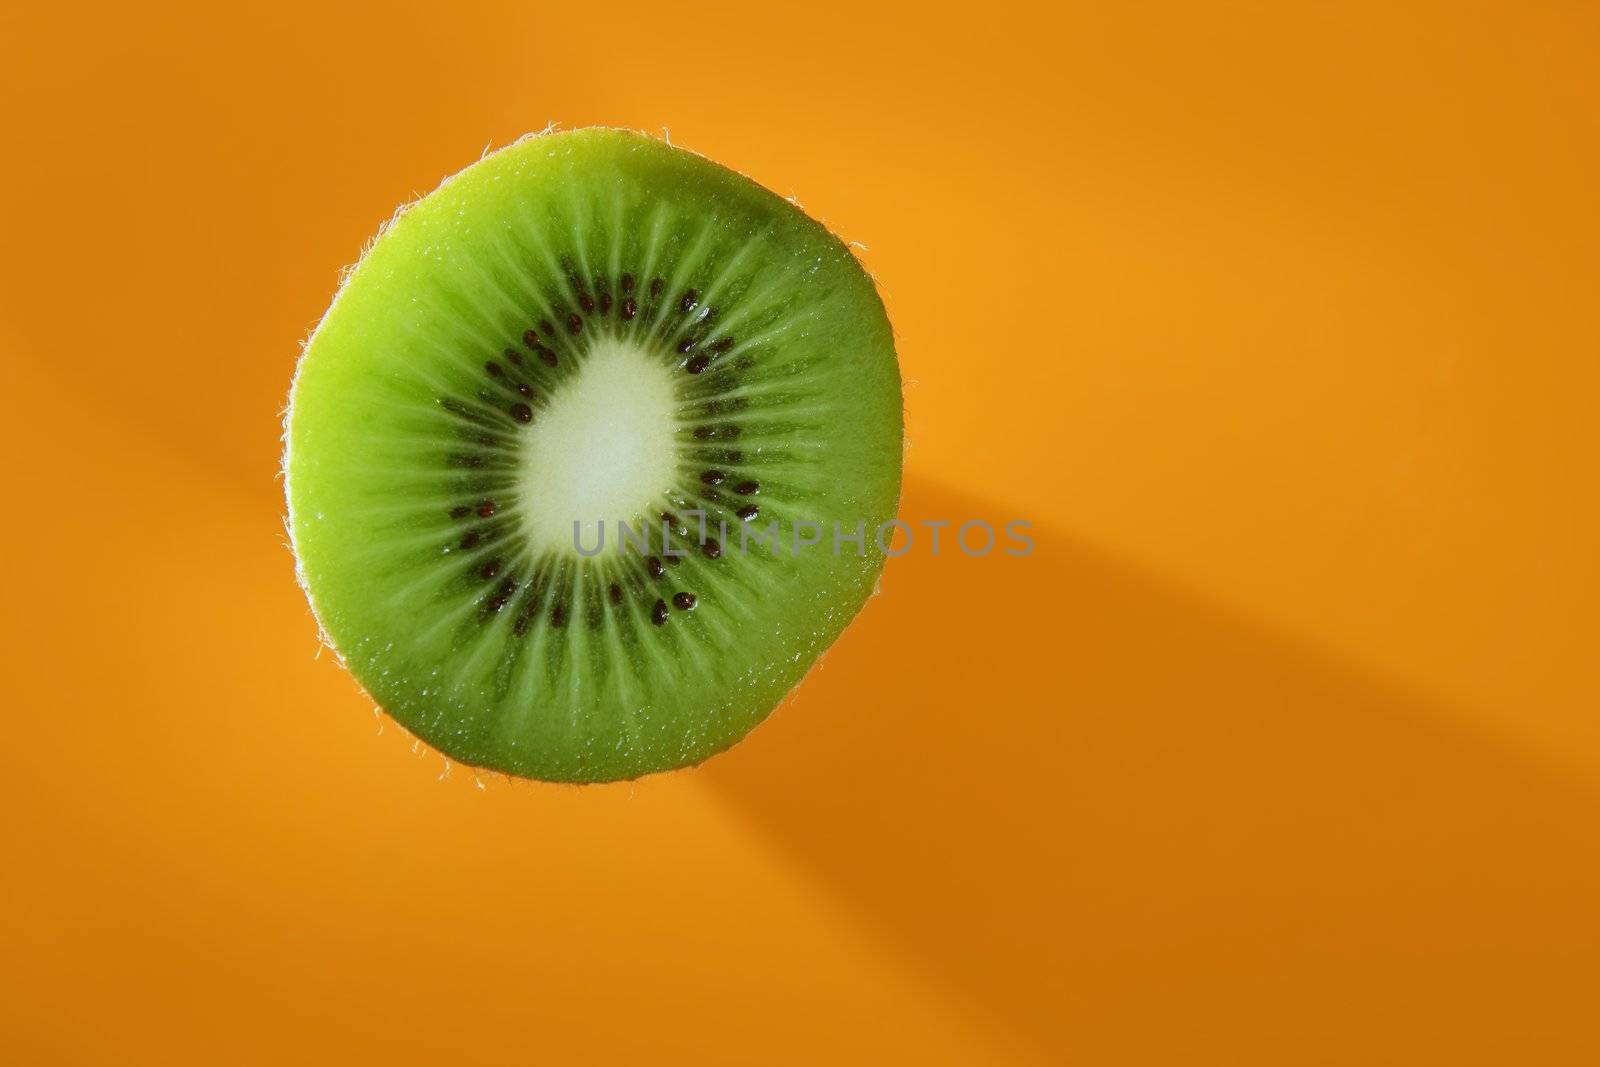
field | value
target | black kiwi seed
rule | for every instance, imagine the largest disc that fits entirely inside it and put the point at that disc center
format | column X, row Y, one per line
column 653, row 565
column 530, row 339
column 502, row 596
column 513, row 356
column 697, row 364
column 586, row 301
column 495, row 370
column 656, row 286
column 545, row 328
column 471, row 540
column 748, row 488
column 684, row 601
column 705, row 433
column 627, row 283
column 722, row 345
column 489, row 570
column 658, row 613
column 685, row 345
column 615, row 593
column 558, row 615
column 548, row 357
column 712, row 548
column 525, row 389
column 690, row 299
column 748, row 512
column 486, row 509
column 522, row 412
column 629, row 309
column 676, row 561
column 605, row 303
column 574, row 324
column 713, row 477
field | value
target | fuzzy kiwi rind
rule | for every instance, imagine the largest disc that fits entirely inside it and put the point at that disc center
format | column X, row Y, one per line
column 590, row 689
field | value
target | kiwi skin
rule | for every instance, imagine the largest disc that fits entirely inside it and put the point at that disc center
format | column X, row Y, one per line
column 328, row 411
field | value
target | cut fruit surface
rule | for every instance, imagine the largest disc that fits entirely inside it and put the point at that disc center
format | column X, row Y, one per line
column 587, row 461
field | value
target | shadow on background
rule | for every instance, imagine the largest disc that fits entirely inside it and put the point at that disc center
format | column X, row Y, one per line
column 1118, row 822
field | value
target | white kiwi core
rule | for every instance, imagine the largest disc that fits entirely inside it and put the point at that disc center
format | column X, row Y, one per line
column 603, row 450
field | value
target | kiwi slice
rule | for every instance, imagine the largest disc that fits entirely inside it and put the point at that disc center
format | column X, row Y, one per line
column 587, row 461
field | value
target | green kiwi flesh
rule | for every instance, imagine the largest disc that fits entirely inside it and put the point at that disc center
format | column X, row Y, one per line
column 592, row 327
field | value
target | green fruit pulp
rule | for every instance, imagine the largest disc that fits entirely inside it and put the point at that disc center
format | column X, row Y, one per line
column 592, row 327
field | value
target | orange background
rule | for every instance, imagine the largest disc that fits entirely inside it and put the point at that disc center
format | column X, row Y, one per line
column 1279, row 321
